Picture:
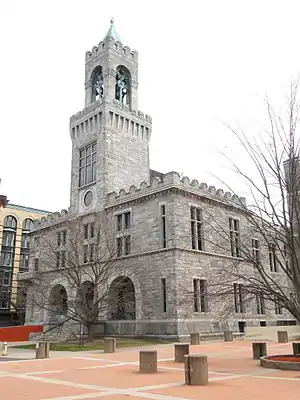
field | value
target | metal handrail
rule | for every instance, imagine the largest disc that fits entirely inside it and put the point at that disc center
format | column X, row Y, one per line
column 57, row 325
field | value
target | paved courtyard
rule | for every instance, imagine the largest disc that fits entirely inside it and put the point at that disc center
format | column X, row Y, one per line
column 94, row 375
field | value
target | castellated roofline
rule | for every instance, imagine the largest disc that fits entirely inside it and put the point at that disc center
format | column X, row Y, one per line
column 172, row 179
column 110, row 44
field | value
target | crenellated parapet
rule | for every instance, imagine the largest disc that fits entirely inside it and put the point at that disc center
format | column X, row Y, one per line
column 51, row 219
column 173, row 180
column 111, row 44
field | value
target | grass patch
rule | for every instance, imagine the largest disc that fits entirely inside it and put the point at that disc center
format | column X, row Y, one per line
column 99, row 344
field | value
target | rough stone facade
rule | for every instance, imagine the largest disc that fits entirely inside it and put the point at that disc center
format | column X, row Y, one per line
column 162, row 260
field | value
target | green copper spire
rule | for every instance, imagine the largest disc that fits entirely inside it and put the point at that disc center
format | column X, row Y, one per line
column 112, row 32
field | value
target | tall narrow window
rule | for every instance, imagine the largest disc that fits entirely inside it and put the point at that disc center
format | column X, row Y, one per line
column 200, row 295
column 234, row 237
column 127, row 220
column 163, row 225
column 85, row 254
column 36, row 264
column 92, row 252
column 63, row 258
column 127, row 244
column 87, row 164
column 63, row 239
column 92, row 230
column 97, row 84
column 255, row 250
column 57, row 259
column 278, row 307
column 8, row 241
column 58, row 238
column 119, row 222
column 238, row 298
column 196, row 228
column 86, row 231
column 119, row 246
column 25, row 245
column 272, row 257
column 260, row 303
column 164, row 294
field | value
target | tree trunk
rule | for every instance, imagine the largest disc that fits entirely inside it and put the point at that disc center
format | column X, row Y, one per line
column 90, row 330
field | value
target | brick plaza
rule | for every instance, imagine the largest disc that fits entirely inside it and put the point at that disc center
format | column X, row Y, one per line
column 92, row 375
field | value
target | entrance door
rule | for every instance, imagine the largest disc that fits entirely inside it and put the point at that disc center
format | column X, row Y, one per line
column 242, row 325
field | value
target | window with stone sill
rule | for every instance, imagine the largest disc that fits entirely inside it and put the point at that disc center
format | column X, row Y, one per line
column 255, row 250
column 123, row 221
column 260, row 303
column 163, row 225
column 200, row 295
column 239, row 303
column 87, row 164
column 278, row 306
column 272, row 257
column 234, row 228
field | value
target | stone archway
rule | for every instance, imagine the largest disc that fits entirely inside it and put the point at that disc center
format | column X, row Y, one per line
column 122, row 302
column 58, row 303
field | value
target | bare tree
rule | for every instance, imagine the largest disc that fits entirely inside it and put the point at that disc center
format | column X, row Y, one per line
column 81, row 258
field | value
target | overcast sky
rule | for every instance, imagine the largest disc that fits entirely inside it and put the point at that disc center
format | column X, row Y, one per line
column 202, row 63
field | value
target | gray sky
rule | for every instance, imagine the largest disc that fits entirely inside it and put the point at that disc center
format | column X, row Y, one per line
column 202, row 63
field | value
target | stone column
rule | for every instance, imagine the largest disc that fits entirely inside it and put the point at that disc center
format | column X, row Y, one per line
column 148, row 361
column 196, row 370
column 296, row 348
column 259, row 350
column 282, row 336
column 181, row 350
column 109, row 345
column 195, row 338
column 40, row 350
column 228, row 336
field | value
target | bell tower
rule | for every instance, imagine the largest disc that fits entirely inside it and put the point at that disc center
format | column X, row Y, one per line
column 110, row 137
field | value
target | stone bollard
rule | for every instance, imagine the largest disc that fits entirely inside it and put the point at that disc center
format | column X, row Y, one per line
column 40, row 350
column 181, row 350
column 296, row 348
column 47, row 349
column 195, row 338
column 228, row 336
column 3, row 349
column 148, row 361
column 282, row 336
column 259, row 349
column 109, row 345
column 196, row 370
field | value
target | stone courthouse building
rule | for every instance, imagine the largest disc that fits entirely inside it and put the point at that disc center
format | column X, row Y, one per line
column 165, row 226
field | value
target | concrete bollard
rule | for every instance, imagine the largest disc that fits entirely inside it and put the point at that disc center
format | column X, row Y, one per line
column 109, row 345
column 181, row 350
column 195, row 338
column 3, row 349
column 47, row 349
column 40, row 350
column 282, row 337
column 148, row 361
column 296, row 348
column 196, row 370
column 259, row 349
column 228, row 336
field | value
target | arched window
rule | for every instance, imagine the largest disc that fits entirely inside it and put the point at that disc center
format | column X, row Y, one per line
column 123, row 85
column 25, row 244
column 97, row 84
column 10, row 222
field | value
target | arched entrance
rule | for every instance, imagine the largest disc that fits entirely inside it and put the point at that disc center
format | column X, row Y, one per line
column 58, row 303
column 122, row 299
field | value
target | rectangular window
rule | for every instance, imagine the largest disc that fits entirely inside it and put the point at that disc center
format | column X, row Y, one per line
column 86, row 231
column 5, row 278
column 92, row 230
column 36, row 264
column 278, row 307
column 164, row 294
column 234, row 228
column 119, row 222
column 260, row 303
column 196, row 228
column 272, row 257
column 200, row 295
column 238, row 298
column 92, row 252
column 127, row 245
column 255, row 250
column 63, row 258
column 85, row 254
column 127, row 220
column 87, row 164
column 63, row 239
column 58, row 238
column 163, row 225
column 119, row 246
column 58, row 259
